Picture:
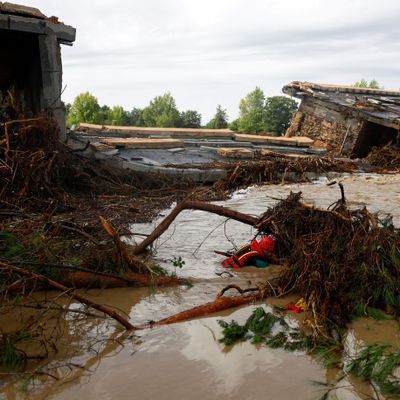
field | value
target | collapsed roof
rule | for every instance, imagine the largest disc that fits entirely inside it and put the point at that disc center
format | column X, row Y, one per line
column 374, row 105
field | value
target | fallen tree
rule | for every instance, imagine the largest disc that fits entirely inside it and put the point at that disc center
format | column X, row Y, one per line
column 341, row 261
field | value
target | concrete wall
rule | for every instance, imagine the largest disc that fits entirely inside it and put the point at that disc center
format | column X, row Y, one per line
column 49, row 35
column 50, row 56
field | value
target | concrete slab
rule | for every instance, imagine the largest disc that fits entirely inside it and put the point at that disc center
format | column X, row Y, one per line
column 143, row 143
column 235, row 152
column 300, row 141
column 26, row 24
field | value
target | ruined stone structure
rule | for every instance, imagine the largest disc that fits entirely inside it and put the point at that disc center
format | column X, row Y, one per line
column 30, row 64
column 347, row 120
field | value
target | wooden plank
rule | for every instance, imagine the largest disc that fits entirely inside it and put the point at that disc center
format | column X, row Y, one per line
column 301, row 141
column 91, row 127
column 235, row 152
column 269, row 153
column 143, row 143
column 145, row 131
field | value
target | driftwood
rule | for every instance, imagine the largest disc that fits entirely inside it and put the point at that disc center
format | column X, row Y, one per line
column 71, row 293
column 193, row 205
column 218, row 305
column 118, row 242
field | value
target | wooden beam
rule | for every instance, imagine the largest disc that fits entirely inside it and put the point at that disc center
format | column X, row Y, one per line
column 301, row 141
column 143, row 143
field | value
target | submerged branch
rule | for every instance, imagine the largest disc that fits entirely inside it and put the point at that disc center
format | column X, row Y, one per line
column 71, row 293
column 193, row 205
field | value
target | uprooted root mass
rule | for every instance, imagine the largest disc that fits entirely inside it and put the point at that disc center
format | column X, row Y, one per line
column 340, row 260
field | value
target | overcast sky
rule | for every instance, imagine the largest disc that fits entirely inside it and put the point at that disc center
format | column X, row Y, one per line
column 210, row 52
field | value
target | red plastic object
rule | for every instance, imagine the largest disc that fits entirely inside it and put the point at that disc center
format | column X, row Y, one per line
column 295, row 309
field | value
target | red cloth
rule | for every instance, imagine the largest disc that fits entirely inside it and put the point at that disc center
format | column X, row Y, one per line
column 295, row 309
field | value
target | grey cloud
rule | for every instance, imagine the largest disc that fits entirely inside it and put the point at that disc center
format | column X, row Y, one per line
column 214, row 52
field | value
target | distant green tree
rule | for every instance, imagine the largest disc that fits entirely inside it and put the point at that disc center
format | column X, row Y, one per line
column 104, row 115
column 85, row 108
column 118, row 116
column 279, row 111
column 220, row 119
column 373, row 84
column 252, row 117
column 190, row 119
column 136, row 117
column 234, row 125
column 161, row 112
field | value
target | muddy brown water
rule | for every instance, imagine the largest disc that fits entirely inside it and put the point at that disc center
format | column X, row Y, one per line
column 97, row 360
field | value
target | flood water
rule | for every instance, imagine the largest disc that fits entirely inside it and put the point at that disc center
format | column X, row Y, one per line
column 186, row 360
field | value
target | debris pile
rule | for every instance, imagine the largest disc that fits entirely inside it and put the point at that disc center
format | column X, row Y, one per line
column 275, row 167
column 387, row 157
column 340, row 260
column 51, row 199
column 38, row 171
column 33, row 164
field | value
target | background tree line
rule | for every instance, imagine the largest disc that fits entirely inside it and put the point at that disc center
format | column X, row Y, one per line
column 257, row 114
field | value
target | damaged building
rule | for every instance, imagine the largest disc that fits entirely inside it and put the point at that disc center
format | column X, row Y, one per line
column 30, row 65
column 348, row 120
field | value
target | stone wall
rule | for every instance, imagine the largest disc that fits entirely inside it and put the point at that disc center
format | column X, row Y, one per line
column 326, row 126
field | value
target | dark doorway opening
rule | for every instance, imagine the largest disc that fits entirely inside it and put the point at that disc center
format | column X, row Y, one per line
column 373, row 135
column 20, row 74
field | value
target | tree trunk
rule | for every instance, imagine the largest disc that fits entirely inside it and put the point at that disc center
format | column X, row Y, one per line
column 220, row 304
